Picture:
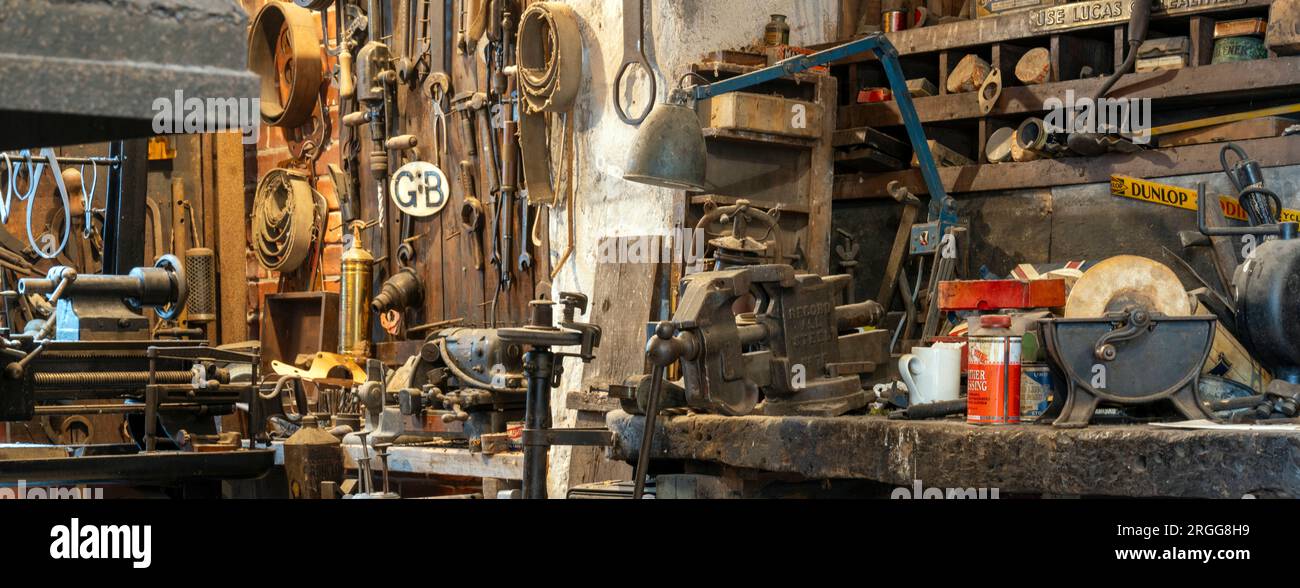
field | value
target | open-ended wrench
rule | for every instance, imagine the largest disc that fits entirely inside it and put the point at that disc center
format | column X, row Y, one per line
column 525, row 258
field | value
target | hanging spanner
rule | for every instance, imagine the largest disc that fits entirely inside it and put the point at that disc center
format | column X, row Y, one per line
column 634, row 56
column 525, row 258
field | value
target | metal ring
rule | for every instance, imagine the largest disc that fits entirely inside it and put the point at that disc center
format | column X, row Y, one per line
column 171, row 263
column 618, row 85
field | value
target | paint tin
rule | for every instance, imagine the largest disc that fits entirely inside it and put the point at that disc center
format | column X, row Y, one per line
column 1037, row 387
column 893, row 21
column 993, row 375
column 1234, row 49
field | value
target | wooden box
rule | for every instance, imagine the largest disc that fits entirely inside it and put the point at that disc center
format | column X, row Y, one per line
column 1283, row 35
column 758, row 113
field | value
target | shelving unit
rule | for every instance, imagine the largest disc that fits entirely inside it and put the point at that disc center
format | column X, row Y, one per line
column 956, row 120
column 793, row 174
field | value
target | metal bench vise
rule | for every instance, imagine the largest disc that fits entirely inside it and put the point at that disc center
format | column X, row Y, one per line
column 800, row 350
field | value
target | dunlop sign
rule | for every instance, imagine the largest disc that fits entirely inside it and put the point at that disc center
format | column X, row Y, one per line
column 1103, row 12
column 1184, row 198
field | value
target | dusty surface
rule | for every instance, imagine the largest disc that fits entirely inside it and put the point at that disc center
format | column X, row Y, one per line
column 1099, row 460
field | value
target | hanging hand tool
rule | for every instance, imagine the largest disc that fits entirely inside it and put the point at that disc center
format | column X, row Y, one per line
column 471, row 213
column 416, row 65
column 506, row 201
column 634, row 57
column 525, row 258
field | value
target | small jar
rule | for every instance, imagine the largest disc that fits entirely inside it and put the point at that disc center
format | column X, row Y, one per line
column 777, row 31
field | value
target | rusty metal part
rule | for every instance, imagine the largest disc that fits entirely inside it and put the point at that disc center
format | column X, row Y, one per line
column 399, row 292
column 90, row 306
column 284, row 219
column 543, row 368
column 107, row 379
column 284, row 50
column 550, row 71
column 634, row 57
column 990, row 90
column 735, row 246
column 789, row 350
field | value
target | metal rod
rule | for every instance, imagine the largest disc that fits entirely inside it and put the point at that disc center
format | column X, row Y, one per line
column 66, row 159
column 536, row 418
column 647, row 435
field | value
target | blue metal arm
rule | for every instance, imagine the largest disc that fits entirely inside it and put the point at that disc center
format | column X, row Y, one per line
column 941, row 206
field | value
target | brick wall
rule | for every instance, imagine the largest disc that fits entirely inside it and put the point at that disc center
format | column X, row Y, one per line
column 271, row 151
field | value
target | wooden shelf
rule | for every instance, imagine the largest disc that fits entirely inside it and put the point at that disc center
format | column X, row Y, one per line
column 755, row 137
column 1207, row 83
column 1011, row 27
column 1192, row 159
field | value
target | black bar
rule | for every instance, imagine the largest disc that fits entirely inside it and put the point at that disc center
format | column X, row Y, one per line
column 128, row 187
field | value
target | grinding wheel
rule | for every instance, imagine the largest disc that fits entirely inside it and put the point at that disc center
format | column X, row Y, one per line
column 1127, row 280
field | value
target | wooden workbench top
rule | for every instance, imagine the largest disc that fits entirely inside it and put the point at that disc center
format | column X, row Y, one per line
column 1096, row 461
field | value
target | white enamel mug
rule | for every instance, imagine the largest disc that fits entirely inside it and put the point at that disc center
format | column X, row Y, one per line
column 932, row 374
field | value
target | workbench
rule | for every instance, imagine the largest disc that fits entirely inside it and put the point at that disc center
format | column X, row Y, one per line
column 438, row 461
column 1114, row 460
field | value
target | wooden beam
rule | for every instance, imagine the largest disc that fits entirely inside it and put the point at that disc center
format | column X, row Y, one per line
column 1178, row 161
column 230, row 242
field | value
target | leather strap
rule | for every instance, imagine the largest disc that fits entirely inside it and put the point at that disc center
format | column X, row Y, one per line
column 550, row 71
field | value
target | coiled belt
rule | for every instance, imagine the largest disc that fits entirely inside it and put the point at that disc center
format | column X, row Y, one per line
column 550, row 71
column 284, row 220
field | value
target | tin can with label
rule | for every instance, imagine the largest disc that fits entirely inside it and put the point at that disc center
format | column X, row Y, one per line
column 892, row 21
column 1037, row 388
column 993, row 373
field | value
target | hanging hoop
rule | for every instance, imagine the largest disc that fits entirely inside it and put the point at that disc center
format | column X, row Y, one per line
column 88, row 198
column 67, row 207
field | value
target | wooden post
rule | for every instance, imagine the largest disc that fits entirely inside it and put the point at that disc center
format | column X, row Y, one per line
column 230, row 217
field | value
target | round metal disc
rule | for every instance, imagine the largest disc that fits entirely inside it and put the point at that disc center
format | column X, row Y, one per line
column 1127, row 280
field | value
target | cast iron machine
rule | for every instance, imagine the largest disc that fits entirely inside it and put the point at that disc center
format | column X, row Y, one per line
column 1264, row 286
column 96, row 350
column 464, row 383
column 544, row 367
column 468, row 382
column 800, row 349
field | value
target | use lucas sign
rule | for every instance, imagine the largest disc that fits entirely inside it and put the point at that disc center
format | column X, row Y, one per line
column 419, row 189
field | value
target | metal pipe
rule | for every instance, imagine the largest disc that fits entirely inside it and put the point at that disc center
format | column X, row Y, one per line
column 537, row 413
